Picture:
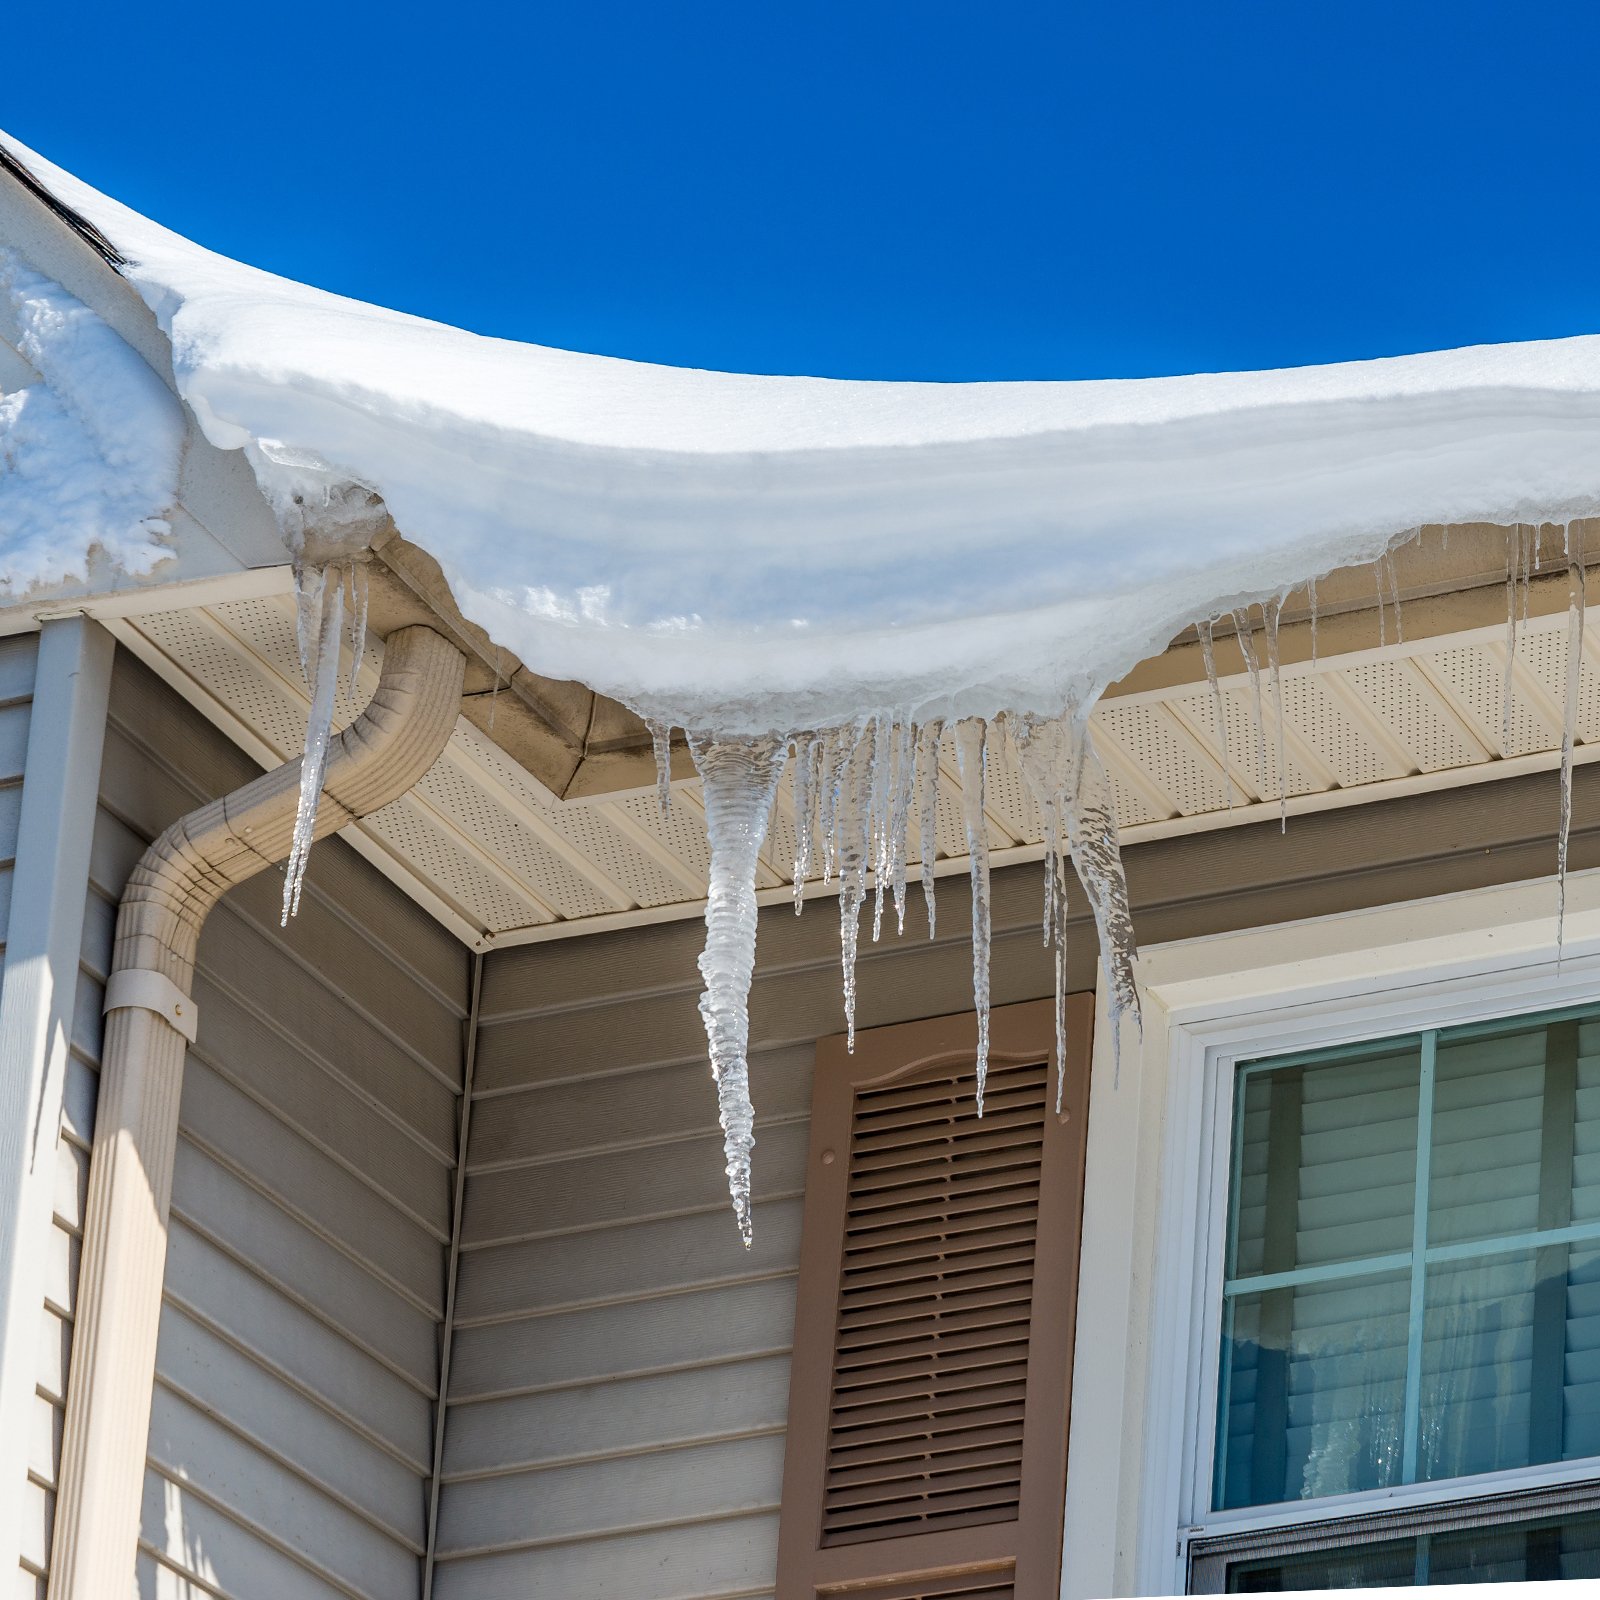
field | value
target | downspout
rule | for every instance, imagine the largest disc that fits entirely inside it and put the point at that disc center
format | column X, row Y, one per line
column 150, row 1021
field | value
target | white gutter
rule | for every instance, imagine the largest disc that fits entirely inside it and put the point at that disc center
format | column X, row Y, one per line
column 150, row 1020
column 61, row 780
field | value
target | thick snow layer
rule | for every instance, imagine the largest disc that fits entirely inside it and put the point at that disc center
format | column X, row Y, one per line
column 749, row 552
column 89, row 450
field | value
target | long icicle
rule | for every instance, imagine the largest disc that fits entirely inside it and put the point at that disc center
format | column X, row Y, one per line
column 1247, row 648
column 1271, row 612
column 972, row 741
column 1513, row 568
column 928, row 740
column 1576, row 605
column 807, row 757
column 853, row 821
column 739, row 778
column 328, row 603
column 1219, row 719
column 905, row 783
column 1043, row 758
column 1092, row 833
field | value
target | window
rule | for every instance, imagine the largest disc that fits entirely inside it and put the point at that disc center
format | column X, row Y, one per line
column 1411, row 1294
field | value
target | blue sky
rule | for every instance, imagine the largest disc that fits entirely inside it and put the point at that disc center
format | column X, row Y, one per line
column 915, row 190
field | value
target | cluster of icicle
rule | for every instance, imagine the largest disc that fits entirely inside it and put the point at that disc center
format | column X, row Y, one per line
column 330, row 609
column 857, row 789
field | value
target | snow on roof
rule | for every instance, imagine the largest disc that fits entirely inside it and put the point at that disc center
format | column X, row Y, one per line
column 751, row 552
column 90, row 440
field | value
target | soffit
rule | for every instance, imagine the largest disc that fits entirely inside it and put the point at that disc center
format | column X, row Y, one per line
column 493, row 853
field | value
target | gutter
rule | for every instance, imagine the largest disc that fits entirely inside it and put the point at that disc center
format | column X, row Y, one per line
column 151, row 1019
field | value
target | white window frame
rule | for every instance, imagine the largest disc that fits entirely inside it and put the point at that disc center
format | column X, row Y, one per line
column 1210, row 1004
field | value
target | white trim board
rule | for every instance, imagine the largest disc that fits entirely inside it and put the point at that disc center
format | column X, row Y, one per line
column 1144, row 1370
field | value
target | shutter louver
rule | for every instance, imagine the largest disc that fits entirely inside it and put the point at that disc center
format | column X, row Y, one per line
column 933, row 1341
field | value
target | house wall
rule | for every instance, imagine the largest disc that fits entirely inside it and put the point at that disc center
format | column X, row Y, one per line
column 291, row 1435
column 18, row 657
column 619, row 1385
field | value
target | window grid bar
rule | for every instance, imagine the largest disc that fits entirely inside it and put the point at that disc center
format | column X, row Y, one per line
column 1399, row 1260
column 1419, row 1259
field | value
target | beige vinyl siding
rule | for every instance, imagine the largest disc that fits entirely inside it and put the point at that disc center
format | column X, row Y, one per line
column 18, row 656
column 619, row 1383
column 621, row 1367
column 291, row 1428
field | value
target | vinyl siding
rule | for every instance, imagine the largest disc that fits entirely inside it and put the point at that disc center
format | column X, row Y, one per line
column 291, row 1428
column 621, row 1368
column 18, row 657
column 620, row 1374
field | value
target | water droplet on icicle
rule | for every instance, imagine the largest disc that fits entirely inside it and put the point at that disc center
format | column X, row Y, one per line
column 740, row 779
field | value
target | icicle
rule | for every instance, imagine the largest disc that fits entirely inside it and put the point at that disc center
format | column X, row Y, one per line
column 1387, row 567
column 324, row 674
column 1513, row 566
column 837, row 745
column 1576, row 604
column 807, row 756
column 309, row 583
column 358, row 629
column 740, row 779
column 878, row 813
column 972, row 756
column 1383, row 633
column 853, row 821
column 1529, row 560
column 1271, row 612
column 661, row 748
column 905, row 780
column 1044, row 758
column 494, row 693
column 1092, row 834
column 1219, row 718
column 1311, row 596
column 1247, row 648
column 928, row 740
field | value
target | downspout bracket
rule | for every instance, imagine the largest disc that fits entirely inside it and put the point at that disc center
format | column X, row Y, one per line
column 153, row 991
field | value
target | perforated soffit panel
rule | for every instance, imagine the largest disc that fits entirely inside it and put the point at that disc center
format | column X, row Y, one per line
column 498, row 859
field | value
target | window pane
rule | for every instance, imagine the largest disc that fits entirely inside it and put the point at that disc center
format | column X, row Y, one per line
column 1477, row 1355
column 1314, row 1391
column 1532, row 1550
column 1488, row 1098
column 1326, row 1161
column 1389, row 1565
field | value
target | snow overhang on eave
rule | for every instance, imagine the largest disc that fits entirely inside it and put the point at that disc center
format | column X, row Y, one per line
column 492, row 851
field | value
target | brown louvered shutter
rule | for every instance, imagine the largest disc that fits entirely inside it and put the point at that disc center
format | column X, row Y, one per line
column 927, row 1441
